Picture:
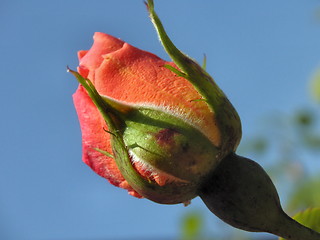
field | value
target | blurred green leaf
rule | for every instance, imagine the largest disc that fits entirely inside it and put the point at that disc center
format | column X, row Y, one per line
column 306, row 127
column 192, row 226
column 309, row 218
column 258, row 145
column 306, row 195
column 315, row 87
column 317, row 14
column 304, row 118
column 313, row 141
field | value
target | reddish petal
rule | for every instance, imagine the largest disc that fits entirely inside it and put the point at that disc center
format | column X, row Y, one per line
column 83, row 70
column 94, row 136
column 135, row 76
column 81, row 54
column 103, row 44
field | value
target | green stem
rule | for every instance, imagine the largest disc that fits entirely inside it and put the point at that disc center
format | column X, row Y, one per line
column 292, row 230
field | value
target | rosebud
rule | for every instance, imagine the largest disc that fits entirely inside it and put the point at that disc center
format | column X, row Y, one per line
column 165, row 125
column 171, row 156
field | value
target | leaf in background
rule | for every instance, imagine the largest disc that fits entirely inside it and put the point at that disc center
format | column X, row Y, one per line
column 315, row 87
column 306, row 195
column 255, row 145
column 312, row 141
column 309, row 218
column 304, row 118
column 192, row 226
column 305, row 123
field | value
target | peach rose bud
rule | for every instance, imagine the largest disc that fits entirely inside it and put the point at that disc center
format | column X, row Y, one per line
column 153, row 127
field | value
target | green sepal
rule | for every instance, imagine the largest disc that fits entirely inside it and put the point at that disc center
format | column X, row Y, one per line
column 204, row 62
column 104, row 152
column 176, row 71
column 105, row 109
column 227, row 118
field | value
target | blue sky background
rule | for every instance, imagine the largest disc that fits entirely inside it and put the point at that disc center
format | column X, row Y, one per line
column 261, row 53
